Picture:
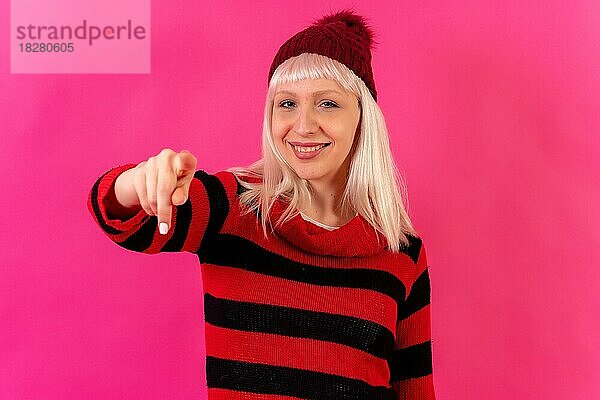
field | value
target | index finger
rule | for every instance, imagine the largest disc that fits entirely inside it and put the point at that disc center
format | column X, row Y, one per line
column 165, row 186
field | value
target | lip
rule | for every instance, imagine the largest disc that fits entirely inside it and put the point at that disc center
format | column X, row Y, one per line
column 309, row 155
column 308, row 144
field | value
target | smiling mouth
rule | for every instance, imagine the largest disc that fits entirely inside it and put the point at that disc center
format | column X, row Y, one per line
column 309, row 149
column 308, row 152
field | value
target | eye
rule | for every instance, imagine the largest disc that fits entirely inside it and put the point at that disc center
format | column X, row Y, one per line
column 333, row 105
column 281, row 104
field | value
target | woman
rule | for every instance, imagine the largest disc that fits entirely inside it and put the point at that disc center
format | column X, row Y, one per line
column 316, row 284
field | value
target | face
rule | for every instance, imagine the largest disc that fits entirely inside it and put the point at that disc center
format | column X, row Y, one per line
column 314, row 124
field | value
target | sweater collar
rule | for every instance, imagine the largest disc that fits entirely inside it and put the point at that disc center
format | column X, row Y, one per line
column 357, row 238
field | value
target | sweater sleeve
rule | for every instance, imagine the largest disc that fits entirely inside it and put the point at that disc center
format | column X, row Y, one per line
column 411, row 366
column 192, row 223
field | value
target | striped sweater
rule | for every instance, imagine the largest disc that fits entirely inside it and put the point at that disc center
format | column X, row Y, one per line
column 309, row 313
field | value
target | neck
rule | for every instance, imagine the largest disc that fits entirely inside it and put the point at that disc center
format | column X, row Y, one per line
column 326, row 202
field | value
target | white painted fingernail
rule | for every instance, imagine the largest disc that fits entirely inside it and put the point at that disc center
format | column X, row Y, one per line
column 163, row 228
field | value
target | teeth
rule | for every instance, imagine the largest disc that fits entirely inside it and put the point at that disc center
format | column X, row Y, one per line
column 303, row 149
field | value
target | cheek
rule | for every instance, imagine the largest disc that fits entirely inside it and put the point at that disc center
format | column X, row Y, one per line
column 278, row 129
column 276, row 133
column 279, row 140
column 278, row 136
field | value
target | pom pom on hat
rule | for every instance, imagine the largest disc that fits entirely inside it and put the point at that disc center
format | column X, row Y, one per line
column 355, row 23
column 343, row 36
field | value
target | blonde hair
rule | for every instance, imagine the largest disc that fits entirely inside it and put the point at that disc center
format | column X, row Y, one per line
column 375, row 189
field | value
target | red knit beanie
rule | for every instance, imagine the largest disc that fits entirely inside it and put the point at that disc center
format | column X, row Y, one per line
column 342, row 36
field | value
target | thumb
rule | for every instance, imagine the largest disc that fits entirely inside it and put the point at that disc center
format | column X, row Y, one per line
column 179, row 196
column 185, row 163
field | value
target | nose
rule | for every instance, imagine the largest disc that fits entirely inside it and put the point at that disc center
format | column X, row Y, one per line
column 305, row 122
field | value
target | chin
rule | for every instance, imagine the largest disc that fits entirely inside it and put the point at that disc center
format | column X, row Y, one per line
column 309, row 176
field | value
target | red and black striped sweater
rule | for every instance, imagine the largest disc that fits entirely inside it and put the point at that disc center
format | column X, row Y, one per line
column 309, row 313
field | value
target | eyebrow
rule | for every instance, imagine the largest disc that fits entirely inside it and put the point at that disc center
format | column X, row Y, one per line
column 315, row 94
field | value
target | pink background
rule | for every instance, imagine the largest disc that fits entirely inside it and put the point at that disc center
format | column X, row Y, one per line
column 494, row 121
